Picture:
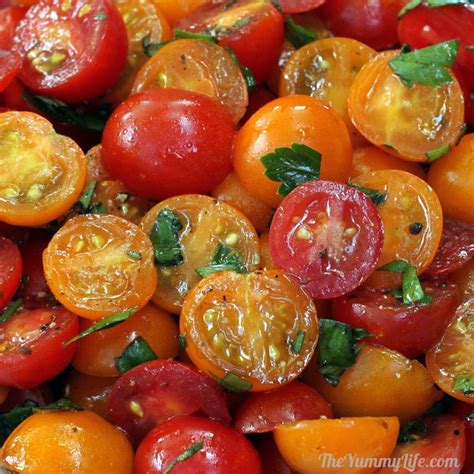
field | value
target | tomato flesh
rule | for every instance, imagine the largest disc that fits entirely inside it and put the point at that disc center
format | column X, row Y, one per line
column 10, row 270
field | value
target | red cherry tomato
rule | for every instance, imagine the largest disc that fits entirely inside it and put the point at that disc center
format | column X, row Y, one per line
column 10, row 270
column 10, row 64
column 223, row 450
column 329, row 236
column 157, row 391
column 32, row 346
column 261, row 412
column 272, row 462
column 74, row 50
column 9, row 19
column 464, row 411
column 166, row 142
column 299, row 6
column 409, row 329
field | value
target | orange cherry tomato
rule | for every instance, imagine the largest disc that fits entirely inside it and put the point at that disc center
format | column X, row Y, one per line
column 382, row 382
column 325, row 69
column 464, row 279
column 99, row 265
column 407, row 123
column 260, row 327
column 451, row 361
column 232, row 192
column 96, row 170
column 41, row 173
column 206, row 224
column 452, row 177
column 266, row 260
column 310, row 446
column 280, row 123
column 174, row 10
column 199, row 66
column 66, row 442
column 370, row 158
column 96, row 354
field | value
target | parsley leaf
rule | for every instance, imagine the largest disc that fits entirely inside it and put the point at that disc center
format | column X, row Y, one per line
column 426, row 66
column 297, row 34
column 465, row 384
column 136, row 353
column 232, row 383
column 10, row 310
column 298, row 342
column 165, row 238
column 225, row 259
column 191, row 451
column 337, row 349
column 292, row 166
column 412, row 431
column 375, row 195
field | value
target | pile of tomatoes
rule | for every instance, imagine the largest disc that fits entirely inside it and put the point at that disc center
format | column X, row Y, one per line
column 237, row 236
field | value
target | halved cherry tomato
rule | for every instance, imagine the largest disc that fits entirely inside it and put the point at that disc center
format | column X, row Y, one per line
column 99, row 265
column 382, row 382
column 409, row 329
column 408, row 123
column 9, row 19
column 329, row 236
column 67, row 441
column 175, row 10
column 10, row 270
column 308, row 446
column 464, row 279
column 464, row 412
column 199, row 66
column 163, row 143
column 206, row 224
column 263, row 412
column 73, row 51
column 260, row 327
column 41, row 173
column 266, row 261
column 280, row 123
column 223, row 450
column 442, row 451
column 96, row 354
column 452, row 177
column 272, row 462
column 451, row 360
column 299, row 6
column 252, row 28
column 31, row 346
column 10, row 64
column 325, row 69
column 96, row 170
column 154, row 392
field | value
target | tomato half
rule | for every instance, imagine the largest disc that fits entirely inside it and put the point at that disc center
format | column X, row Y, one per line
column 152, row 393
column 329, row 236
column 31, row 346
column 299, row 6
column 73, row 51
column 463, row 411
column 10, row 270
column 464, row 279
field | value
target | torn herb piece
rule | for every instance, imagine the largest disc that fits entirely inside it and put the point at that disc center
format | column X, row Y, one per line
column 181, row 34
column 464, row 384
column 136, row 353
column 134, row 254
column 85, row 201
column 246, row 72
column 436, row 154
column 297, row 34
column 150, row 49
column 165, row 239
column 10, row 310
column 375, row 195
column 232, row 383
column 298, row 341
column 191, row 451
column 225, row 259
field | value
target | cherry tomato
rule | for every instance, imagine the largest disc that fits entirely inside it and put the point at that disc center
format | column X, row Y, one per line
column 96, row 170
column 266, row 261
column 96, row 354
column 31, row 346
column 252, row 28
column 199, row 66
column 154, row 392
column 464, row 412
column 409, row 123
column 263, row 412
column 452, row 177
column 280, row 123
column 382, row 382
column 99, row 265
column 163, row 143
column 41, row 173
column 451, row 360
column 445, row 442
column 325, row 69
column 9, row 19
column 67, row 441
column 206, row 224
column 303, row 444
column 299, row 6
column 259, row 327
column 464, row 279
column 374, row 23
column 329, row 236
column 10, row 270
column 272, row 462
column 221, row 450
column 175, row 10
column 73, row 51
column 395, row 325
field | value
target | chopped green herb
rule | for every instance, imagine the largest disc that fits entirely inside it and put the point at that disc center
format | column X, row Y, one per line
column 225, row 259
column 465, row 384
column 427, row 66
column 85, row 201
column 232, row 383
column 409, row 6
column 134, row 254
column 98, row 208
column 298, row 342
column 390, row 147
column 292, row 166
column 191, row 451
column 165, row 239
column 181, row 34
column 297, row 34
column 10, row 310
column 375, row 195
column 182, row 341
column 471, row 415
column 431, row 3
column 100, row 17
column 337, row 349
column 277, row 5
column 412, row 431
column 246, row 72
column 150, row 49
column 436, row 154
column 136, row 353
column 469, row 47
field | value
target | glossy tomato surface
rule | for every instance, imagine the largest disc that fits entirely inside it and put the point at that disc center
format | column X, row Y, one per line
column 10, row 270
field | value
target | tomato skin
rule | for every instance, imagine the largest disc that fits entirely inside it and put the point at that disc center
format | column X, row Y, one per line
column 395, row 325
column 9, row 19
column 10, row 270
column 299, row 6
column 41, row 355
column 261, row 412
column 188, row 158
column 462, row 411
column 225, row 451
column 10, row 64
column 272, row 462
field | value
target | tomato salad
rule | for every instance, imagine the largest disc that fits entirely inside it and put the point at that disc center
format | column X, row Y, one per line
column 237, row 236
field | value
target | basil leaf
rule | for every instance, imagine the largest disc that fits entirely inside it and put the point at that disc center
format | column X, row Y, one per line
column 225, row 259
column 246, row 72
column 165, row 239
column 105, row 323
column 10, row 310
column 436, row 154
column 191, row 451
column 426, row 66
column 337, row 348
column 412, row 431
column 465, row 384
column 297, row 34
column 136, row 353
column 292, row 166
column 181, row 34
column 375, row 195
column 232, row 383
column 298, row 342
column 396, row 266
